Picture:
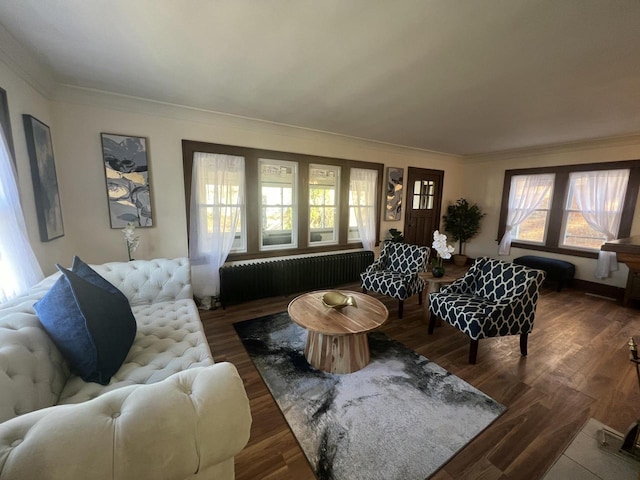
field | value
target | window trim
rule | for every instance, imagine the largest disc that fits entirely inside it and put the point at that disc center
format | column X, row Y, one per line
column 252, row 192
column 560, row 190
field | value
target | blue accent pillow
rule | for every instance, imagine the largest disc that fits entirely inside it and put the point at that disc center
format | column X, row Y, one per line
column 89, row 320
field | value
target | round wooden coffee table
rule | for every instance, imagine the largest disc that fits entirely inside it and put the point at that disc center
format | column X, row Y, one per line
column 337, row 337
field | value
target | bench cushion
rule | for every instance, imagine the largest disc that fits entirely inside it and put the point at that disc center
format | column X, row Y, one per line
column 556, row 270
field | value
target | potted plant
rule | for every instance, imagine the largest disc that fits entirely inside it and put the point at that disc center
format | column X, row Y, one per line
column 395, row 235
column 462, row 221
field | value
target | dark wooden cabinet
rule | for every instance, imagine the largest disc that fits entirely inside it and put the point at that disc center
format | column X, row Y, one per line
column 628, row 252
column 633, row 287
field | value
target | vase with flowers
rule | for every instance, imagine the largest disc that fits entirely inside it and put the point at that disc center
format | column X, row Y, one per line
column 131, row 238
column 443, row 252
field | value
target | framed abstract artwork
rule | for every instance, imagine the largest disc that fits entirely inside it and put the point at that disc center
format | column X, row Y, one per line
column 45, row 180
column 393, row 209
column 126, row 168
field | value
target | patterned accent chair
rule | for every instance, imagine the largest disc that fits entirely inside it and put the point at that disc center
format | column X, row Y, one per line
column 493, row 299
column 395, row 272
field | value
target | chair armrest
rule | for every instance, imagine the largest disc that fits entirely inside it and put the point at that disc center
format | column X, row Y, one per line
column 172, row 429
column 376, row 266
column 461, row 285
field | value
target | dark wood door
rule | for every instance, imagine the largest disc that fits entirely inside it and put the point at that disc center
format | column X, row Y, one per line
column 424, row 203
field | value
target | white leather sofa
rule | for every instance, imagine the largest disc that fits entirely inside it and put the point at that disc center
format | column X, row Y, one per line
column 168, row 413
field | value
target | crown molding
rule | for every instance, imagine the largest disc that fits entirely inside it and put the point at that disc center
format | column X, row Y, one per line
column 137, row 105
column 569, row 147
column 22, row 61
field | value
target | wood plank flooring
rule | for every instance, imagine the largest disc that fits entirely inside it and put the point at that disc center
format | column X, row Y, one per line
column 577, row 368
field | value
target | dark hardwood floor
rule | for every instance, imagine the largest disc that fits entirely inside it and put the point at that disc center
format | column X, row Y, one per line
column 577, row 368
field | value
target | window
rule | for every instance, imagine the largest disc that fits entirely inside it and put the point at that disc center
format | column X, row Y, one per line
column 362, row 207
column 424, row 192
column 324, row 182
column 564, row 216
column 218, row 187
column 217, row 218
column 278, row 206
column 294, row 203
column 593, row 208
column 530, row 205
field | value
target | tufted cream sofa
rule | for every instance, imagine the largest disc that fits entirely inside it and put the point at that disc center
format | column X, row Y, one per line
column 168, row 413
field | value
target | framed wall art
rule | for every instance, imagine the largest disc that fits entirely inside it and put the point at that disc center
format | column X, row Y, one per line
column 393, row 210
column 126, row 168
column 45, row 180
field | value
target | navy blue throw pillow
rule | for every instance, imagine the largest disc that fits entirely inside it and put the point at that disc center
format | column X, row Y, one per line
column 90, row 275
column 91, row 323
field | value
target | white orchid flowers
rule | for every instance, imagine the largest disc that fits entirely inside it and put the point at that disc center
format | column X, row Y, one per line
column 132, row 239
column 440, row 246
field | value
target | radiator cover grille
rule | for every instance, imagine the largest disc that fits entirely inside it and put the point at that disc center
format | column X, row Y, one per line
column 241, row 283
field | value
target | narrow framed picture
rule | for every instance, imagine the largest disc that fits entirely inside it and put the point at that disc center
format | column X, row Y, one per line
column 393, row 209
column 45, row 180
column 126, row 169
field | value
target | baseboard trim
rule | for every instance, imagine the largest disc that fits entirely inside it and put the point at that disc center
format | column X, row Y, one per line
column 599, row 289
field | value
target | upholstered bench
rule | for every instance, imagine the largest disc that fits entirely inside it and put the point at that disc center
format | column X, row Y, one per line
column 557, row 270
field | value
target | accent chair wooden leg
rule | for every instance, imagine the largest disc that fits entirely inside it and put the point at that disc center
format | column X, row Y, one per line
column 473, row 351
column 524, row 337
column 420, row 297
column 432, row 323
column 364, row 290
column 400, row 305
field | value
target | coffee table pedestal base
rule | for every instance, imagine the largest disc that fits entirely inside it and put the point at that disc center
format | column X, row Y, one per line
column 337, row 353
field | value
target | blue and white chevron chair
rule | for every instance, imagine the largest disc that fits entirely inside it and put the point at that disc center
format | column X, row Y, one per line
column 395, row 272
column 493, row 299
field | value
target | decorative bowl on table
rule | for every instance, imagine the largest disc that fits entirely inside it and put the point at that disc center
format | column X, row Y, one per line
column 338, row 300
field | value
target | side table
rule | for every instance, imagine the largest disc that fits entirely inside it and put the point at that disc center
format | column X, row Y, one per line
column 452, row 273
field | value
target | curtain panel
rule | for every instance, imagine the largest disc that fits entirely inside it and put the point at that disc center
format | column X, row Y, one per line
column 525, row 195
column 19, row 268
column 217, row 212
column 363, row 184
column 600, row 197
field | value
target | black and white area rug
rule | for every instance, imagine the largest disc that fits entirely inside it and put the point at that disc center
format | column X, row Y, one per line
column 401, row 417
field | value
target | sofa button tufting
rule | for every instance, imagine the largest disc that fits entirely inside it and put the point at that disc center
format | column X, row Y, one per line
column 15, row 443
column 115, row 415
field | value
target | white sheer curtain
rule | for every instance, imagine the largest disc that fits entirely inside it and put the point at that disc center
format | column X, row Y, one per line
column 525, row 195
column 217, row 206
column 600, row 197
column 363, row 184
column 19, row 268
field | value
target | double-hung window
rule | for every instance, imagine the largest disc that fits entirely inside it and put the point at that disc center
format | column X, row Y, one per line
column 530, row 206
column 278, row 203
column 324, row 184
column 593, row 208
column 362, row 206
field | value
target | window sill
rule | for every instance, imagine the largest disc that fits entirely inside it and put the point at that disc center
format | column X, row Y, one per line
column 563, row 251
column 292, row 251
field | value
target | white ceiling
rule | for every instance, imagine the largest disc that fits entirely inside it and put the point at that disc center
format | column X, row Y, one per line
column 455, row 76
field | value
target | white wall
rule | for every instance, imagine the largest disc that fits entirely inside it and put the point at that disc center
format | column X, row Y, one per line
column 79, row 116
column 483, row 181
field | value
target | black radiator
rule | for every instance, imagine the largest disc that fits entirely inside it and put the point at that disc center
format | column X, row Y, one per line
column 270, row 278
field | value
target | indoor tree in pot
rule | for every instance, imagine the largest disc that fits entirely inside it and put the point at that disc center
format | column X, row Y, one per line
column 462, row 221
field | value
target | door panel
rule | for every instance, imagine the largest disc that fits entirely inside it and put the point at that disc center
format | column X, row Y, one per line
column 424, row 203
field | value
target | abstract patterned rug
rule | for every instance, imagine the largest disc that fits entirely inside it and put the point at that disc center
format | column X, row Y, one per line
column 400, row 417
